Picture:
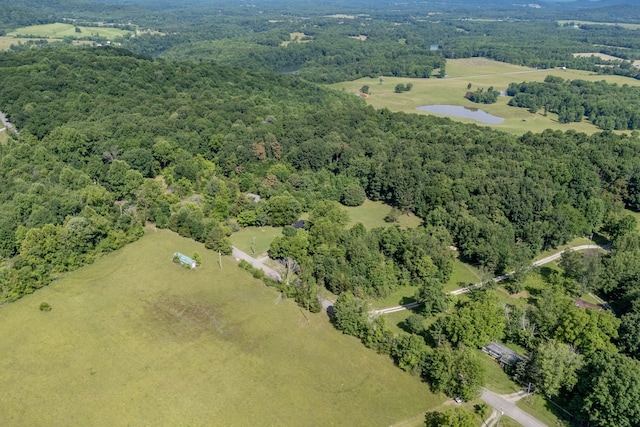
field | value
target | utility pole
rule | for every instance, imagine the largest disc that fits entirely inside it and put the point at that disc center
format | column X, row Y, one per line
column 220, row 259
column 253, row 247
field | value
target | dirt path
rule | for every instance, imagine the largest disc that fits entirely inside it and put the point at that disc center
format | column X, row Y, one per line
column 270, row 272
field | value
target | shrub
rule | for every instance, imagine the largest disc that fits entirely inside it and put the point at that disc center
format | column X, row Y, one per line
column 45, row 306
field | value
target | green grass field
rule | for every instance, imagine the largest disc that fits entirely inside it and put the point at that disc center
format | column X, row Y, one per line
column 244, row 239
column 481, row 73
column 618, row 24
column 60, row 30
column 134, row 339
column 6, row 42
column 371, row 214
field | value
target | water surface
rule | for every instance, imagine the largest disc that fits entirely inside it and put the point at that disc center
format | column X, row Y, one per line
column 463, row 112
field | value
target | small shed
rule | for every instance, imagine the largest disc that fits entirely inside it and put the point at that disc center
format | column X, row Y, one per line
column 184, row 260
column 299, row 224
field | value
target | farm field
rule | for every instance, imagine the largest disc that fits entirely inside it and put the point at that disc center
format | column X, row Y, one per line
column 481, row 73
column 135, row 339
column 60, row 30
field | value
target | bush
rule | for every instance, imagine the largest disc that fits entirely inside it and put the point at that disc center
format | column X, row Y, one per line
column 45, row 306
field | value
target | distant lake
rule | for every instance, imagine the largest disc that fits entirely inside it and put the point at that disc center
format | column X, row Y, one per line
column 464, row 112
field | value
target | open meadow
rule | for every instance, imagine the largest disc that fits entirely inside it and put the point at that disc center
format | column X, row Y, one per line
column 60, row 30
column 135, row 339
column 481, row 73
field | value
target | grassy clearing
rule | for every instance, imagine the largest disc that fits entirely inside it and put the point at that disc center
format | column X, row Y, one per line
column 598, row 55
column 134, row 339
column 6, row 42
column 371, row 214
column 617, row 24
column 481, row 73
column 3, row 136
column 60, row 30
column 244, row 238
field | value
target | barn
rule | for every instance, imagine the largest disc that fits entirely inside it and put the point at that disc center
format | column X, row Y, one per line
column 184, row 260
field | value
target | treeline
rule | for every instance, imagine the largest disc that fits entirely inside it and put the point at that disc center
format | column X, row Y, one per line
column 606, row 105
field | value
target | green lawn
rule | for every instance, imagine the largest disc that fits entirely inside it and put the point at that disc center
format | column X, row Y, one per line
column 481, row 73
column 60, row 30
column 542, row 409
column 244, row 239
column 135, row 339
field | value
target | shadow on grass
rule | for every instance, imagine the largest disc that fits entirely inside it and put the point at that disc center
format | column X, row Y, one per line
column 407, row 300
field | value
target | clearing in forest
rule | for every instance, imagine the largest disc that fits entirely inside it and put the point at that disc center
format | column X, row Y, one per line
column 60, row 30
column 480, row 73
column 615, row 24
column 135, row 339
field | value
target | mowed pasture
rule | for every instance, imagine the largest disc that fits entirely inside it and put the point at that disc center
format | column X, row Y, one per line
column 60, row 30
column 481, row 73
column 135, row 339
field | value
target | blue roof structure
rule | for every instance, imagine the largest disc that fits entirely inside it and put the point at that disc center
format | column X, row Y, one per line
column 185, row 259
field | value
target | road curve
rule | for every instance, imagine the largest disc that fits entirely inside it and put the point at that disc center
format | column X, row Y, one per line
column 507, row 408
column 466, row 289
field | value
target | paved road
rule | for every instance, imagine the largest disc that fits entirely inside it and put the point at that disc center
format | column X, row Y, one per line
column 270, row 272
column 510, row 409
column 466, row 289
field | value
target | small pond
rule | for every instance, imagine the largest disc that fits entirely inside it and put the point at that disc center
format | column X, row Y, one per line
column 464, row 112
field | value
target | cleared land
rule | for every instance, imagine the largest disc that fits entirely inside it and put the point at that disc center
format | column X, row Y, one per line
column 244, row 239
column 3, row 136
column 134, row 339
column 598, row 55
column 59, row 30
column 371, row 214
column 617, row 24
column 6, row 42
column 481, row 73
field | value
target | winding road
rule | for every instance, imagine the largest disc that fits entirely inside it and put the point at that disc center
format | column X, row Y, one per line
column 469, row 288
